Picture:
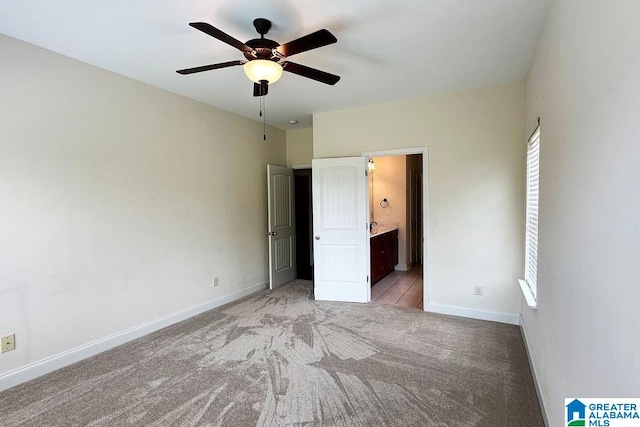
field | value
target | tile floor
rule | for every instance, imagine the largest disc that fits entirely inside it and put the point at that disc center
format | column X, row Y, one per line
column 403, row 288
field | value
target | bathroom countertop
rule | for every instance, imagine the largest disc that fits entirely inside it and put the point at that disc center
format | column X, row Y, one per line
column 381, row 229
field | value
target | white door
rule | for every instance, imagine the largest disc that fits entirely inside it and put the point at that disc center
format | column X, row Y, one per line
column 341, row 229
column 282, row 230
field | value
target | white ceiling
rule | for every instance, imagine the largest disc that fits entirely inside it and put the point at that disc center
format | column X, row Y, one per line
column 387, row 50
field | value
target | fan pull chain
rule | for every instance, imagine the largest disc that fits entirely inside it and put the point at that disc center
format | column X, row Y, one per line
column 264, row 119
column 263, row 110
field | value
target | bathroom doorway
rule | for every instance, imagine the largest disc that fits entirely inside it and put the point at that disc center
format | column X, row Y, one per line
column 395, row 201
column 396, row 215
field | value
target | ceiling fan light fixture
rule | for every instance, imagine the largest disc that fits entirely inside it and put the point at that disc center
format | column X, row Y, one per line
column 263, row 69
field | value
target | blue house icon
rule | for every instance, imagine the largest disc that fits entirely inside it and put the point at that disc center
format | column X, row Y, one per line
column 573, row 407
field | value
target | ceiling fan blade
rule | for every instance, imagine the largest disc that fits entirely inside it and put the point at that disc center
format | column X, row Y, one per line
column 310, row 41
column 311, row 73
column 210, row 67
column 220, row 35
column 260, row 89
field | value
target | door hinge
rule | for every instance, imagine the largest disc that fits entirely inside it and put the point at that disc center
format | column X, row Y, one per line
column 366, row 172
column 367, row 279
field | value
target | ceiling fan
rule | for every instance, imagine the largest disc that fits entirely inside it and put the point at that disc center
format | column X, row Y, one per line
column 266, row 59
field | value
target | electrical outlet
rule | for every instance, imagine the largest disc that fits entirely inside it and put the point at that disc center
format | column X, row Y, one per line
column 479, row 290
column 215, row 281
column 7, row 343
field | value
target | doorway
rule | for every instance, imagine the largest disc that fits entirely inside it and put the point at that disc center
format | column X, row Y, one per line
column 396, row 218
column 420, row 229
column 395, row 203
column 416, row 236
column 304, row 220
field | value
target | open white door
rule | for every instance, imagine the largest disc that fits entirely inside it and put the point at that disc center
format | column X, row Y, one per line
column 341, row 229
column 281, row 225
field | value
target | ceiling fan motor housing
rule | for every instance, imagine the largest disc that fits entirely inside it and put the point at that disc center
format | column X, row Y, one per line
column 263, row 49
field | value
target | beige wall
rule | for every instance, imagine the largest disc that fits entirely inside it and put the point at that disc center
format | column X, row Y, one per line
column 299, row 147
column 584, row 84
column 119, row 202
column 476, row 181
column 389, row 182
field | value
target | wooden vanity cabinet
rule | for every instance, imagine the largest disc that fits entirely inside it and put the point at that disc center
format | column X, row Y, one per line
column 384, row 254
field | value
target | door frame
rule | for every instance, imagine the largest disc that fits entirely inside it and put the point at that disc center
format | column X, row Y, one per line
column 426, row 259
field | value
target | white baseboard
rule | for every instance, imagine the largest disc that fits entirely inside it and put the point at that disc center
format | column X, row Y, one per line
column 543, row 407
column 402, row 267
column 50, row 364
column 474, row 313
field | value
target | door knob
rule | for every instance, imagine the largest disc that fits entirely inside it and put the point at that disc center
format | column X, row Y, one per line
column 272, row 233
column 317, row 237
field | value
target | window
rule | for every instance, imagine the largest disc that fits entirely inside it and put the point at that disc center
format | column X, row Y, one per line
column 531, row 232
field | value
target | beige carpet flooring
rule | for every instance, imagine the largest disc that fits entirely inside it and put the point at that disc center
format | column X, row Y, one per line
column 281, row 358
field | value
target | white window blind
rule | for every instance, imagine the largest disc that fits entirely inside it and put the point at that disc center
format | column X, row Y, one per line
column 531, row 233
